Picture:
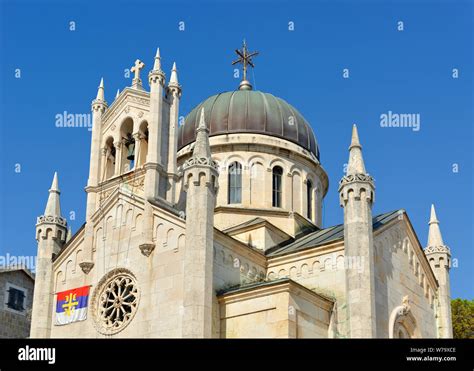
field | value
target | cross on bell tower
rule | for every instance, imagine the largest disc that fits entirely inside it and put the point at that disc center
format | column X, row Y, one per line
column 245, row 58
column 136, row 68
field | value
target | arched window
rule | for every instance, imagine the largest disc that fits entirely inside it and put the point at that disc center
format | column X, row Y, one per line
column 110, row 153
column 143, row 148
column 309, row 197
column 235, row 183
column 127, row 156
column 277, row 173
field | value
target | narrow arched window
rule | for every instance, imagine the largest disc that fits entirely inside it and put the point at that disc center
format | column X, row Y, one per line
column 110, row 153
column 309, row 197
column 235, row 183
column 277, row 173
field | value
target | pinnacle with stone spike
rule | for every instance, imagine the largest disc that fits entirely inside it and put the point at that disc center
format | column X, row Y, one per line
column 157, row 65
column 100, row 91
column 53, row 206
column 202, row 148
column 174, row 75
column 356, row 161
column 434, row 234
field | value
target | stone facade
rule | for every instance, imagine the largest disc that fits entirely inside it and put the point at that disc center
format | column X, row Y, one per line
column 15, row 323
column 190, row 247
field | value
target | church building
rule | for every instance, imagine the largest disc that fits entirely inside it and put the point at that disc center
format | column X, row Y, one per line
column 213, row 229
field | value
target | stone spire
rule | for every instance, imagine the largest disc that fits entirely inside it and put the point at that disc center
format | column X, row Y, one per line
column 202, row 148
column 439, row 257
column 100, row 91
column 157, row 64
column 356, row 196
column 356, row 161
column 118, row 93
column 434, row 234
column 200, row 182
column 53, row 207
column 174, row 76
column 51, row 232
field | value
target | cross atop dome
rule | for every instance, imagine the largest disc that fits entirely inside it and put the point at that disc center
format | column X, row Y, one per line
column 245, row 58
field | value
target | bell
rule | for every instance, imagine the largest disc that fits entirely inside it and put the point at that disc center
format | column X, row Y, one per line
column 130, row 144
column 131, row 151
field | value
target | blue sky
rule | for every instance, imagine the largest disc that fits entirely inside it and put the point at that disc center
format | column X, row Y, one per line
column 409, row 71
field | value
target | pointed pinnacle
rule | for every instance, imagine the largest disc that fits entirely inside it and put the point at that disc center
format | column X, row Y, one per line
column 201, row 147
column 433, row 218
column 202, row 121
column 434, row 233
column 100, row 91
column 174, row 75
column 356, row 161
column 54, row 184
column 53, row 207
column 355, row 138
column 157, row 65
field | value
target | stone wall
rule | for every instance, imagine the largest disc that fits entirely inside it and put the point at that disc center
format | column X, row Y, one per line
column 321, row 270
column 282, row 310
column 159, row 277
column 401, row 270
column 15, row 324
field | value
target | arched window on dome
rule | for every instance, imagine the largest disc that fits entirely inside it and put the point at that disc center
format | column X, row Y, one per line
column 277, row 173
column 235, row 183
column 309, row 197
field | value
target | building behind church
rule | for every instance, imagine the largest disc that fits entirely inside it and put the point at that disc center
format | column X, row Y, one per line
column 16, row 299
column 214, row 229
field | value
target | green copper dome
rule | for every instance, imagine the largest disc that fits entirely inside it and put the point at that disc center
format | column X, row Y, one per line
column 249, row 111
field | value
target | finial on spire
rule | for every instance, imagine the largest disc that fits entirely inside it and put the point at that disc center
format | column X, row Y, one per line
column 118, row 93
column 434, row 234
column 174, row 75
column 202, row 148
column 53, row 207
column 356, row 161
column 245, row 58
column 100, row 91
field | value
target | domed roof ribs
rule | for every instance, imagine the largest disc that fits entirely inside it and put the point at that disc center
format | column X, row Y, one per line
column 297, row 123
column 211, row 111
column 229, row 120
column 265, row 110
column 248, row 111
column 246, row 118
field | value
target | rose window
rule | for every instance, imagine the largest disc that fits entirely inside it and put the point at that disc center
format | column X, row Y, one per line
column 116, row 303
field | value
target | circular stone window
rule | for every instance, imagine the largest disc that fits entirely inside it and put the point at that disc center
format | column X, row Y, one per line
column 115, row 301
